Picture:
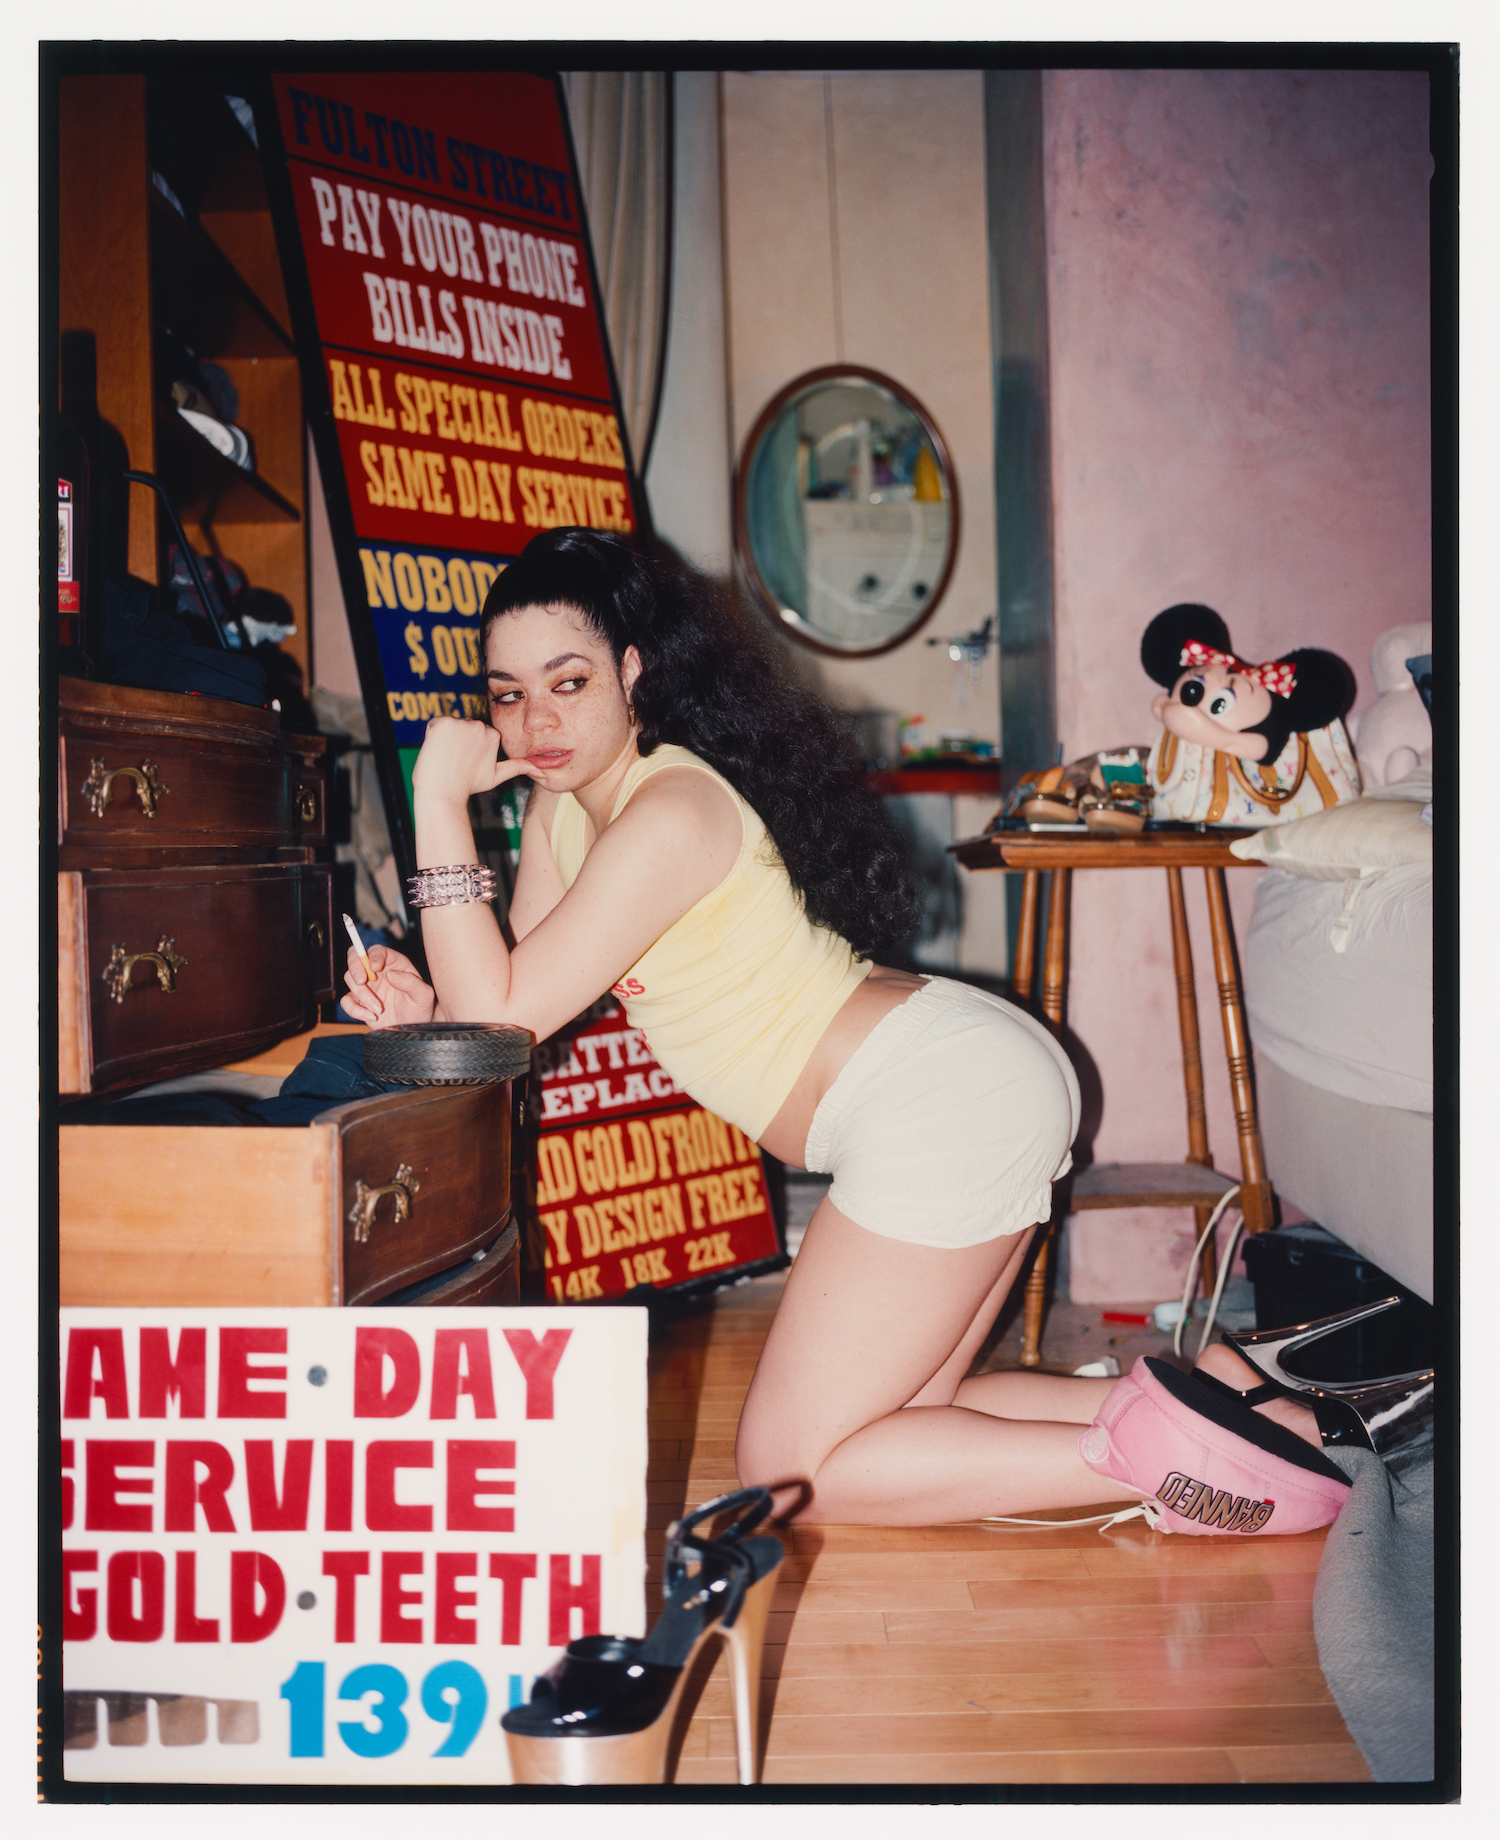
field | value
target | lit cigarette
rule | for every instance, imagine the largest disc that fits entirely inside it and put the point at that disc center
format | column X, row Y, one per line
column 364, row 957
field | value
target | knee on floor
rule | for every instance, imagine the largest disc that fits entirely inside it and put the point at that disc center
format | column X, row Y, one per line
column 764, row 1459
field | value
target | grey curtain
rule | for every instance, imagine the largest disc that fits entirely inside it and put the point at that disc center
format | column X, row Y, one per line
column 622, row 133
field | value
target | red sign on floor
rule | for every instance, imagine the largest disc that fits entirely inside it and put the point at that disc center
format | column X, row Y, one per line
column 331, row 1546
column 635, row 1183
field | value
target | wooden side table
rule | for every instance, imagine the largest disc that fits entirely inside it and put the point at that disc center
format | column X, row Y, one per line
column 1195, row 1182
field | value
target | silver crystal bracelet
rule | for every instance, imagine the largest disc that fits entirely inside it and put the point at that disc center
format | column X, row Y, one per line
column 450, row 887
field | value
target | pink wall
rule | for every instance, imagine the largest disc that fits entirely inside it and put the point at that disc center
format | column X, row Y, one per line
column 1239, row 334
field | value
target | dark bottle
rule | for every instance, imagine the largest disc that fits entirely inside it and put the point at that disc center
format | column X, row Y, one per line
column 101, row 524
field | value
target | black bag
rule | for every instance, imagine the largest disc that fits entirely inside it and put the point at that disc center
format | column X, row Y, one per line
column 151, row 650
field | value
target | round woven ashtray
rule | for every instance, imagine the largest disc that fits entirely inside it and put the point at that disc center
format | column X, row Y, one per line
column 447, row 1053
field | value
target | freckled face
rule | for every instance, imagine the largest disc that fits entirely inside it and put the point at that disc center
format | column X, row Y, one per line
column 555, row 696
column 1213, row 705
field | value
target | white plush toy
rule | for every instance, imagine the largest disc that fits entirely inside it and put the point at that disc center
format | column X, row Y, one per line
column 1394, row 735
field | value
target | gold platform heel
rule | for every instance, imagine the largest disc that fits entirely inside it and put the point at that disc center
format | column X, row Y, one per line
column 603, row 1713
column 746, row 1639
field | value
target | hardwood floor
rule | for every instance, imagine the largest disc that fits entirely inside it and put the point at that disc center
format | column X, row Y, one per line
column 979, row 1654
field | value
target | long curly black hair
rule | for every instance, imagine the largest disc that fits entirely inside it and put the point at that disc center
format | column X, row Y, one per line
column 711, row 681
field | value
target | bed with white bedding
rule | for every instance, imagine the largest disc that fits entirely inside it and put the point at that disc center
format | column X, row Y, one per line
column 1338, row 990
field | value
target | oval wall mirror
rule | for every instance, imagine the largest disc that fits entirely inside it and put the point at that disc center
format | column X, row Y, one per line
column 846, row 511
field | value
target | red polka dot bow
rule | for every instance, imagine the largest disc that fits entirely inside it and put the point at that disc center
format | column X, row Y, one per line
column 1278, row 677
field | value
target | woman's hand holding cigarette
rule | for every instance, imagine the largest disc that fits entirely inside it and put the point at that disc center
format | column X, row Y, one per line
column 398, row 994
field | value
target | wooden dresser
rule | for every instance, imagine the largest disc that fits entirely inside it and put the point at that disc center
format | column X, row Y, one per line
column 195, row 927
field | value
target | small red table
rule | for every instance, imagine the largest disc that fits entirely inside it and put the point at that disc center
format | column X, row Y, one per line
column 1195, row 1182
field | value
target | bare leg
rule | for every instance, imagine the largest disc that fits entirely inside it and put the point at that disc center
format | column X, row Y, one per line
column 1017, row 1392
column 1224, row 1364
column 1024, row 1393
column 869, row 1326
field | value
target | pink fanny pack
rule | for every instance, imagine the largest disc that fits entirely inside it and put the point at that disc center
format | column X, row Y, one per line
column 1209, row 1463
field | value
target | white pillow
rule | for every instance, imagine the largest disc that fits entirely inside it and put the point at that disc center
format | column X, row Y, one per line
column 1357, row 838
column 1417, row 785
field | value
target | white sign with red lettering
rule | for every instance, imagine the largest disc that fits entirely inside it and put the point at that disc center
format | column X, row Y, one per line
column 333, row 1546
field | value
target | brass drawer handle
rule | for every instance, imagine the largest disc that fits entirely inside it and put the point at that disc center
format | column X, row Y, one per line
column 404, row 1187
column 307, row 805
column 317, row 938
column 166, row 958
column 146, row 778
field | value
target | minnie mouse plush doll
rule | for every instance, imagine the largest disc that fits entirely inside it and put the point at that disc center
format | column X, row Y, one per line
column 1243, row 744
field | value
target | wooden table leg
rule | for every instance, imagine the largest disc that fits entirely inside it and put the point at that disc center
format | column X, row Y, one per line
column 1054, row 998
column 1255, row 1190
column 1024, row 969
column 1192, row 1064
column 1032, row 1305
column 1055, row 966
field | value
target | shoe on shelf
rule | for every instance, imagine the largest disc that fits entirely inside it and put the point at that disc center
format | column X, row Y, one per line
column 1381, row 1415
column 603, row 1713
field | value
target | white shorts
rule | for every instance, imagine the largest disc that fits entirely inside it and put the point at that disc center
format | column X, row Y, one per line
column 950, row 1122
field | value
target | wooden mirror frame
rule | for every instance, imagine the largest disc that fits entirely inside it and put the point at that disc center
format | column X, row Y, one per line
column 779, row 403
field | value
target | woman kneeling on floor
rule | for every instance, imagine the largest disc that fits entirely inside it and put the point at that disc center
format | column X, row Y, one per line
column 698, row 840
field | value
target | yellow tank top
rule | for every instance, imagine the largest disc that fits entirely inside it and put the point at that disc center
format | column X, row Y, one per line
column 735, row 996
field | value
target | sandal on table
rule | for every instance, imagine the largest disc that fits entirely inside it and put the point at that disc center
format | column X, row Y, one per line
column 603, row 1713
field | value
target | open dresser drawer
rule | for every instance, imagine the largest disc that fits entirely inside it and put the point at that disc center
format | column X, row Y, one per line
column 358, row 1207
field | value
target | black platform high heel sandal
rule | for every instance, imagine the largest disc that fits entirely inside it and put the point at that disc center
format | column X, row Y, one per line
column 1381, row 1415
column 603, row 1713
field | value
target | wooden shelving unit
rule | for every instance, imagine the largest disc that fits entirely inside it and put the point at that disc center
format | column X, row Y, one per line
column 208, row 490
column 131, row 264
